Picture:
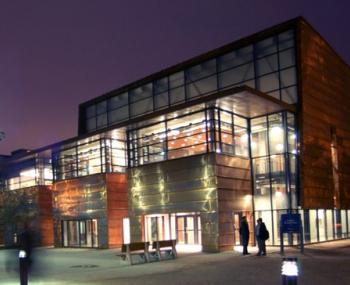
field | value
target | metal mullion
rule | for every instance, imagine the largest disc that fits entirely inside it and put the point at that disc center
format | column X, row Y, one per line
column 206, row 127
column 128, row 154
column 219, row 129
column 92, row 232
column 333, row 224
column 270, row 176
column 212, row 129
column 347, row 222
column 76, row 161
column 287, row 160
column 166, row 140
column 78, row 222
column 279, row 70
column 251, row 165
column 62, row 233
column 233, row 132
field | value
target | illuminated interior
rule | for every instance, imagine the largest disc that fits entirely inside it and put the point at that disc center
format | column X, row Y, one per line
column 28, row 173
column 184, row 227
column 97, row 154
column 185, row 133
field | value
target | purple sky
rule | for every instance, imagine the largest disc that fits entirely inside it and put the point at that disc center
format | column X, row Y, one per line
column 57, row 54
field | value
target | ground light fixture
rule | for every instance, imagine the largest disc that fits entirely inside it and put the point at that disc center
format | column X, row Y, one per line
column 289, row 271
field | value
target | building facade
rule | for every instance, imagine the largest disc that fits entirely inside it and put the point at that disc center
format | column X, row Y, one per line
column 25, row 197
column 258, row 127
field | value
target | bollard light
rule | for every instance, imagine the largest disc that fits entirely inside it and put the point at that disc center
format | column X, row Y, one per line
column 22, row 254
column 289, row 271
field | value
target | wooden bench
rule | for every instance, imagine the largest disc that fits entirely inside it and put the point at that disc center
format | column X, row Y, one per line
column 135, row 248
column 167, row 247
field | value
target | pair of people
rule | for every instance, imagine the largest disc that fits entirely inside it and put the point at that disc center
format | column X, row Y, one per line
column 261, row 234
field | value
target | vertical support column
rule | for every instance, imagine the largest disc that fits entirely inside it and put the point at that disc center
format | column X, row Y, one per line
column 210, row 231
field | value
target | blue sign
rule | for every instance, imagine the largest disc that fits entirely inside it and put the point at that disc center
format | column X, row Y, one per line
column 290, row 223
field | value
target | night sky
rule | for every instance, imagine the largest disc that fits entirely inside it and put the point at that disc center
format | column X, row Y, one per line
column 57, row 54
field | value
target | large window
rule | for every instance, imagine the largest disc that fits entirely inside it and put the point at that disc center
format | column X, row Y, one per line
column 274, row 155
column 268, row 65
column 89, row 156
column 27, row 173
column 188, row 133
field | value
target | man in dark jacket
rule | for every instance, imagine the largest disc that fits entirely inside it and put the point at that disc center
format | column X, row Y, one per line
column 261, row 236
column 244, row 233
column 25, row 254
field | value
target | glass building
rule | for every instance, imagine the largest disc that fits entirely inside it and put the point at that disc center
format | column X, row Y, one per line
column 246, row 129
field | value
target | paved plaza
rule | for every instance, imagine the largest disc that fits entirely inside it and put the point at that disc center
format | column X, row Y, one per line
column 326, row 263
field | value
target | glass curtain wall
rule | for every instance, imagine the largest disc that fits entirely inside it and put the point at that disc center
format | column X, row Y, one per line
column 325, row 224
column 273, row 154
column 179, row 135
column 27, row 173
column 268, row 65
column 90, row 156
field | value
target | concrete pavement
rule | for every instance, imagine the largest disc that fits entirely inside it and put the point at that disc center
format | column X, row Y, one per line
column 321, row 264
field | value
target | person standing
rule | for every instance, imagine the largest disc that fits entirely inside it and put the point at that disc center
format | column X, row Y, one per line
column 262, row 235
column 244, row 234
column 25, row 254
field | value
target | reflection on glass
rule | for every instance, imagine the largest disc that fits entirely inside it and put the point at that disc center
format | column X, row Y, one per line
column 259, row 143
column 313, row 225
column 26, row 173
column 276, row 134
column 329, row 219
column 90, row 156
column 321, row 218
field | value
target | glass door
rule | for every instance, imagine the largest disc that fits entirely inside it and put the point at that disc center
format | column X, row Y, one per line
column 188, row 229
column 80, row 233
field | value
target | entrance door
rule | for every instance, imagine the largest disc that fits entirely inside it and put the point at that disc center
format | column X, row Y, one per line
column 80, row 233
column 187, row 229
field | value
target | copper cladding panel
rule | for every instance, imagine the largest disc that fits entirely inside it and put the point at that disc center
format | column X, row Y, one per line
column 117, row 207
column 325, row 87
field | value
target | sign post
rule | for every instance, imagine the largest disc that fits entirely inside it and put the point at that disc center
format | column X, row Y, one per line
column 291, row 223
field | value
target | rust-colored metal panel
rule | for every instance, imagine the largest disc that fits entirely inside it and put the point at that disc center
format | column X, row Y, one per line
column 325, row 104
column 81, row 199
column 117, row 207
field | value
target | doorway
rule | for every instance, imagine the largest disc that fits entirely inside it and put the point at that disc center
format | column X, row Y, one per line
column 188, row 229
column 80, row 233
